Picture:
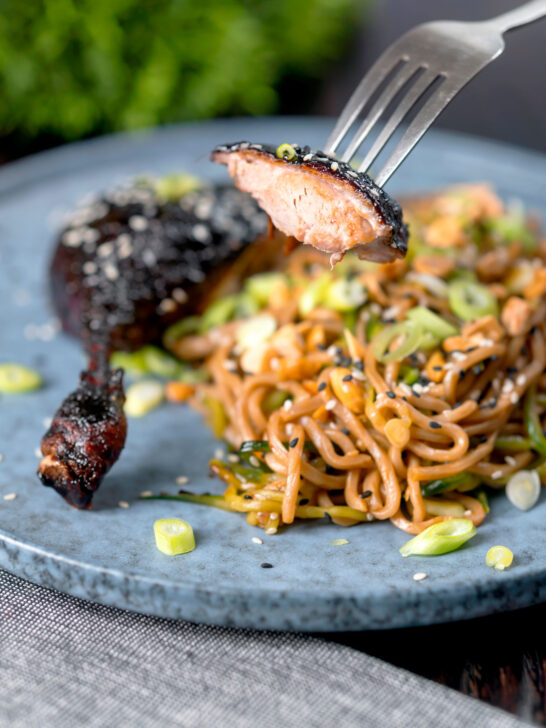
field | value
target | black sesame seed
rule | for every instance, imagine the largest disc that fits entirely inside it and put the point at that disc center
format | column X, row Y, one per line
column 511, row 370
column 321, row 386
column 304, row 501
column 493, row 403
column 494, row 357
column 347, row 378
column 365, row 494
column 266, row 565
column 435, row 425
column 437, row 369
column 322, row 347
column 482, row 439
column 359, row 365
column 472, row 348
column 423, row 380
column 388, row 321
column 477, row 369
column 294, row 442
column 339, row 350
column 462, row 374
column 346, row 431
column 457, row 404
column 416, row 394
column 330, row 470
column 390, row 394
column 522, row 351
column 247, row 496
column 346, row 361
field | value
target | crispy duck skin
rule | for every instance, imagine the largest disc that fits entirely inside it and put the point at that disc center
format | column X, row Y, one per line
column 318, row 200
column 85, row 438
column 125, row 267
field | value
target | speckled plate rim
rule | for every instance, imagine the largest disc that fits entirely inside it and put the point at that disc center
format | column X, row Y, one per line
column 125, row 589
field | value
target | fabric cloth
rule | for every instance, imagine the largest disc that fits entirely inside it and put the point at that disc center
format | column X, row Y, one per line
column 67, row 663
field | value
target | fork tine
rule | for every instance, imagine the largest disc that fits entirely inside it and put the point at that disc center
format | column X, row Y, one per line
column 417, row 128
column 398, row 115
column 379, row 107
column 384, row 65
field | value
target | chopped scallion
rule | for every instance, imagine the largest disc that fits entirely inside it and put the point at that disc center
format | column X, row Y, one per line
column 440, row 538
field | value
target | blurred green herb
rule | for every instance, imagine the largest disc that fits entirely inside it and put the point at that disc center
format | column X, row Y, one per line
column 73, row 68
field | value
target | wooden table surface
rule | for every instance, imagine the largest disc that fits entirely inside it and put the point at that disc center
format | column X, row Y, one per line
column 500, row 659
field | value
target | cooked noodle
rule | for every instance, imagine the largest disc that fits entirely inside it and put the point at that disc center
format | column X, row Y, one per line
column 341, row 431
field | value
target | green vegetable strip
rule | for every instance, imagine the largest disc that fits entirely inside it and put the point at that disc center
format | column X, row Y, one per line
column 207, row 499
column 513, row 443
column 532, row 422
column 466, row 481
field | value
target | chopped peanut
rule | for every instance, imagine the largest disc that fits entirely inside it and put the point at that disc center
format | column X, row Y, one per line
column 256, row 359
column 445, row 232
column 397, row 431
column 178, row 391
column 494, row 265
column 310, row 386
column 349, row 392
column 516, row 316
column 316, row 337
column 435, row 265
column 537, row 287
column 488, row 326
column 301, row 368
column 321, row 414
column 435, row 366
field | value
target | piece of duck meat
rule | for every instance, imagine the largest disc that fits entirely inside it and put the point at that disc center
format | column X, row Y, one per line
column 125, row 266
column 318, row 200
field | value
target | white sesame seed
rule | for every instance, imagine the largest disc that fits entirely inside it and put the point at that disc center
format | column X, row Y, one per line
column 138, row 223
column 330, row 404
column 308, row 157
column 1, row 457
column 232, row 458
column 357, row 374
column 230, row 365
column 458, row 355
column 10, row 496
column 123, row 504
column 419, row 576
column 487, row 342
column 111, row 272
column 287, row 404
column 331, row 350
column 467, row 513
column 38, row 452
column 334, row 166
column 369, row 517
column 270, row 531
column 514, row 398
column 509, row 460
column 218, row 453
column 46, row 422
column 253, row 460
column 255, row 539
column 182, row 479
column 167, row 305
column 497, row 474
column 179, row 295
column 521, row 380
column 146, row 494
column 508, row 386
column 417, row 388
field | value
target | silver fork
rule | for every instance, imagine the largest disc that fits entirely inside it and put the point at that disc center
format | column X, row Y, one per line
column 439, row 58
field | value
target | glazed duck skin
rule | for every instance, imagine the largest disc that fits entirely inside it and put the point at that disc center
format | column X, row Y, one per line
column 126, row 265
column 318, row 200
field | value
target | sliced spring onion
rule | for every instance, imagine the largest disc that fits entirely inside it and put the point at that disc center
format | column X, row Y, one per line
column 257, row 330
column 274, row 400
column 219, row 312
column 441, row 507
column 428, row 341
column 143, row 396
column 499, row 557
column 409, row 374
column 532, row 422
column 523, row 489
column 345, row 294
column 513, row 443
column 431, row 322
column 411, row 334
column 512, row 228
column 17, row 378
column 175, row 186
column 461, row 482
column 286, row 152
column 314, row 294
column 440, row 538
column 481, row 496
column 160, row 363
column 470, row 301
column 132, row 363
column 173, row 536
column 261, row 286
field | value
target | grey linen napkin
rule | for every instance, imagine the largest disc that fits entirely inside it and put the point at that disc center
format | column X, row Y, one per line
column 67, row 663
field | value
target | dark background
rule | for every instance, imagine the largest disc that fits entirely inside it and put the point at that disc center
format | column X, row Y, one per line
column 71, row 70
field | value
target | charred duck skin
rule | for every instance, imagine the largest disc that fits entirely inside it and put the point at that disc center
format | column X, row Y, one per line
column 85, row 438
column 318, row 200
column 125, row 266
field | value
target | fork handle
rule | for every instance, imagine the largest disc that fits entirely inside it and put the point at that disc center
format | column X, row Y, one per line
column 526, row 13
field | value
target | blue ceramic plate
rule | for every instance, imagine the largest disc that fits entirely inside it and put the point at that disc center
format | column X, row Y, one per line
column 108, row 555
